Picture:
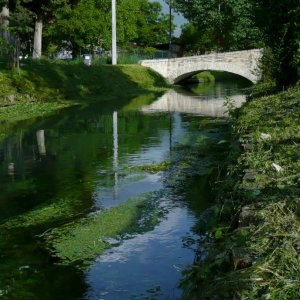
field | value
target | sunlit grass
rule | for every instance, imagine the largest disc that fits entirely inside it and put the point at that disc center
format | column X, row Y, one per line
column 40, row 88
column 272, row 239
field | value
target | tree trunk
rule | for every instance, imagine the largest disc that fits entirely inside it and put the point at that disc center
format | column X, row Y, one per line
column 4, row 15
column 13, row 51
column 37, row 43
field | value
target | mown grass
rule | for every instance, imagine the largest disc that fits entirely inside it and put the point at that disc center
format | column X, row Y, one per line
column 271, row 237
column 41, row 87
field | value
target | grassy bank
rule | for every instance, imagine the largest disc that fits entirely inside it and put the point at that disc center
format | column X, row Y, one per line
column 254, row 245
column 42, row 87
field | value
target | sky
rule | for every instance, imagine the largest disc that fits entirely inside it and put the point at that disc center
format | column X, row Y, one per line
column 178, row 19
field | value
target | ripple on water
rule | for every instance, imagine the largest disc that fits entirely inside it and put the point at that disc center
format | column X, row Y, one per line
column 149, row 260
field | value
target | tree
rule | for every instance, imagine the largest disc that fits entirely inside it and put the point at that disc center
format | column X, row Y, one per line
column 42, row 11
column 84, row 25
column 152, row 24
column 9, row 41
column 279, row 21
column 223, row 24
column 88, row 24
column 4, row 19
column 194, row 40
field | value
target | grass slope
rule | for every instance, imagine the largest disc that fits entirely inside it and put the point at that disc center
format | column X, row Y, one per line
column 258, row 210
column 43, row 86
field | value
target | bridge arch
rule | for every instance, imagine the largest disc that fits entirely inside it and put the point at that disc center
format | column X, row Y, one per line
column 192, row 73
column 242, row 63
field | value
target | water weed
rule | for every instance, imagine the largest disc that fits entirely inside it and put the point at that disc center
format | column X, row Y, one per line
column 82, row 241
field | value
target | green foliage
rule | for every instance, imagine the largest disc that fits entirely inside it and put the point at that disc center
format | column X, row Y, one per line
column 194, row 39
column 37, row 85
column 229, row 104
column 21, row 20
column 83, row 25
column 240, row 24
column 271, row 236
column 152, row 24
column 279, row 21
column 206, row 76
column 88, row 24
column 219, row 25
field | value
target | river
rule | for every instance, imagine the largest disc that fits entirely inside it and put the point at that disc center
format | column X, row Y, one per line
column 57, row 171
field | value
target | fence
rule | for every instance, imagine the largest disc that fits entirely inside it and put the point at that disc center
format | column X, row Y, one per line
column 132, row 57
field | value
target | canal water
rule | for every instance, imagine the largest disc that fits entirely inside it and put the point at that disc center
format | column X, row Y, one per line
column 62, row 171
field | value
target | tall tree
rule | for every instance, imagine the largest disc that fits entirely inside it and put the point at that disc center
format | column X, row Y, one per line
column 280, row 22
column 84, row 25
column 9, row 39
column 88, row 24
column 224, row 24
column 152, row 24
column 43, row 12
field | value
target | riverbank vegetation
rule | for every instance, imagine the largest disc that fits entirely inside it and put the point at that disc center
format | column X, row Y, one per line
column 251, row 235
column 40, row 88
column 68, row 29
column 252, row 249
column 254, row 243
column 220, row 26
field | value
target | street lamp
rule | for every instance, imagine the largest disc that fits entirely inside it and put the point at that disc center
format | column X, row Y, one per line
column 114, row 32
column 170, row 27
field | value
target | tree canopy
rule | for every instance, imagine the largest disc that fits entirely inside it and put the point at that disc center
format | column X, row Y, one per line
column 220, row 24
column 86, row 24
column 280, row 23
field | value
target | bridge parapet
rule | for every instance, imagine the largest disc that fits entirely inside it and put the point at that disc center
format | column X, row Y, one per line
column 243, row 63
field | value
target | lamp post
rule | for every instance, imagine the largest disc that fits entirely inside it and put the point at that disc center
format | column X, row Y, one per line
column 170, row 27
column 116, row 155
column 114, row 32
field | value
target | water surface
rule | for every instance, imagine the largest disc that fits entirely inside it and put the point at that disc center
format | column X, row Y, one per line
column 59, row 169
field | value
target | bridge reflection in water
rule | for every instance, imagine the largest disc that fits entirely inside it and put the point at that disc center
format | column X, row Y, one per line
column 186, row 102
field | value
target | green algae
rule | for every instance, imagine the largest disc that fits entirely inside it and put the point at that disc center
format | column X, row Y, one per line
column 60, row 209
column 151, row 168
column 82, row 241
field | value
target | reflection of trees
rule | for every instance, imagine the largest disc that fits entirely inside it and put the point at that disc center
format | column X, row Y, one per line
column 77, row 144
column 48, row 189
column 40, row 137
column 20, row 271
column 116, row 146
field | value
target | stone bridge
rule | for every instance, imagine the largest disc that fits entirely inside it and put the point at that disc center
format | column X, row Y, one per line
column 243, row 63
